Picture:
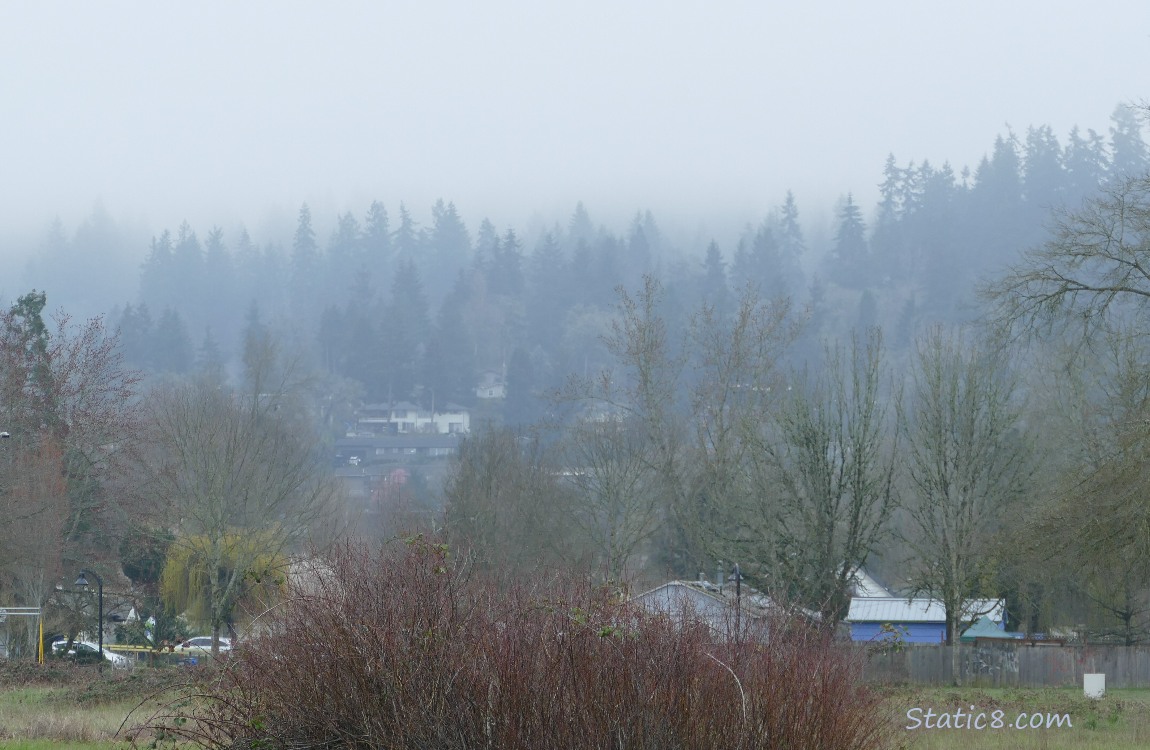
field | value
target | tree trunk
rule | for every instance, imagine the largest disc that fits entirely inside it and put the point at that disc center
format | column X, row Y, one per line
column 952, row 641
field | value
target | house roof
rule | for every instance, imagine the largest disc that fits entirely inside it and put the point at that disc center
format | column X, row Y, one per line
column 985, row 628
column 865, row 585
column 751, row 601
column 896, row 609
column 707, row 594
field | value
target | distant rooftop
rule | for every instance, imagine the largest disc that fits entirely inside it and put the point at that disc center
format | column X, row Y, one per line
column 895, row 609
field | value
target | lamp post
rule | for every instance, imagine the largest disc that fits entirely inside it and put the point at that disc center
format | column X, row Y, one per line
column 82, row 582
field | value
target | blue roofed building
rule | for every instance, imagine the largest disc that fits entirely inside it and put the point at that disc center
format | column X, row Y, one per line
column 877, row 618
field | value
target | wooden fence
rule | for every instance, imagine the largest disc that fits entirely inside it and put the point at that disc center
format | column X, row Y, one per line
column 1011, row 665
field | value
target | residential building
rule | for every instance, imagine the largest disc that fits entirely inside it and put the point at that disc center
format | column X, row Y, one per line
column 876, row 618
column 491, row 385
column 406, row 418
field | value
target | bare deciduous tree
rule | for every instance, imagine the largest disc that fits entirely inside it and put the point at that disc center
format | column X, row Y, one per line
column 1090, row 285
column 694, row 400
column 505, row 503
column 968, row 459
column 826, row 476
column 35, row 512
column 242, row 477
column 1093, row 272
column 68, row 405
column 617, row 504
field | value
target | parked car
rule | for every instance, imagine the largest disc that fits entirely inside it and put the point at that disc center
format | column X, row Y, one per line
column 86, row 651
column 202, row 644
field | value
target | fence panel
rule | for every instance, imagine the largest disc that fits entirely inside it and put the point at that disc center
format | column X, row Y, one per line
column 1011, row 665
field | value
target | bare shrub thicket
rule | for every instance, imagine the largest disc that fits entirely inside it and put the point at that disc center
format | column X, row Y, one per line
column 398, row 648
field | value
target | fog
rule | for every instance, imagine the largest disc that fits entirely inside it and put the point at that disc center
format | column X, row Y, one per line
column 602, row 223
column 219, row 113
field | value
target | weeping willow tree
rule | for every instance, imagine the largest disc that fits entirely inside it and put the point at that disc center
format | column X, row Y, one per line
column 208, row 578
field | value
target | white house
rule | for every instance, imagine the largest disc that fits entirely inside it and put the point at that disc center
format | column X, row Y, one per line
column 724, row 610
column 403, row 418
column 491, row 385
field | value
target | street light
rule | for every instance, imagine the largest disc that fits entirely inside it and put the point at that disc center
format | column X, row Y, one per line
column 82, row 582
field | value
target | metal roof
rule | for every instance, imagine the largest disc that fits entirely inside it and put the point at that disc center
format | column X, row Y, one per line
column 896, row 609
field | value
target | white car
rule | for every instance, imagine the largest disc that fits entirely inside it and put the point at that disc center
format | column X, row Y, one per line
column 87, row 647
column 202, row 644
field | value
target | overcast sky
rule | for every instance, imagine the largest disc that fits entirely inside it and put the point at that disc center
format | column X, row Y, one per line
column 226, row 111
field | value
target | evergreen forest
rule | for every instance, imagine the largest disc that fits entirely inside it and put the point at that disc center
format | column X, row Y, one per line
column 945, row 388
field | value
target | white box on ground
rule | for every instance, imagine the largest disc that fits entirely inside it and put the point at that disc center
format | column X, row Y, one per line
column 1094, row 685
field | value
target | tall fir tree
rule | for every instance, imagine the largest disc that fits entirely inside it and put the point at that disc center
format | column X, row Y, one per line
column 404, row 332
column 580, row 228
column 1044, row 179
column 792, row 244
column 306, row 272
column 998, row 220
column 345, row 261
column 505, row 274
column 405, row 238
column 851, row 255
column 449, row 367
column 548, row 293
column 889, row 242
column 136, row 336
column 172, row 346
column 210, row 360
column 521, row 406
column 221, row 312
column 188, row 267
column 1129, row 156
column 158, row 281
column 486, row 245
column 377, row 245
column 450, row 248
column 1086, row 165
column 715, row 292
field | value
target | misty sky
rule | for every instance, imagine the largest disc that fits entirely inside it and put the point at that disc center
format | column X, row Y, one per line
column 219, row 112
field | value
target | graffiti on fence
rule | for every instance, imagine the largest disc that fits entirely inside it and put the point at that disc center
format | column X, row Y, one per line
column 991, row 661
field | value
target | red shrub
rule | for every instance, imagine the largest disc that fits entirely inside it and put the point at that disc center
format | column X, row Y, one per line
column 399, row 649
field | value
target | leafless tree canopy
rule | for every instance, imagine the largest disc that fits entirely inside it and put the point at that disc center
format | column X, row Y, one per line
column 239, row 475
column 1094, row 272
column 968, row 460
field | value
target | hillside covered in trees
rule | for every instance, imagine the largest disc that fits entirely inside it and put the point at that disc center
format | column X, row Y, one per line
column 401, row 306
column 807, row 401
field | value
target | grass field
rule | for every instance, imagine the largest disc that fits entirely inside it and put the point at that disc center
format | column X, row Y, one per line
column 51, row 717
column 85, row 712
column 71, row 708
